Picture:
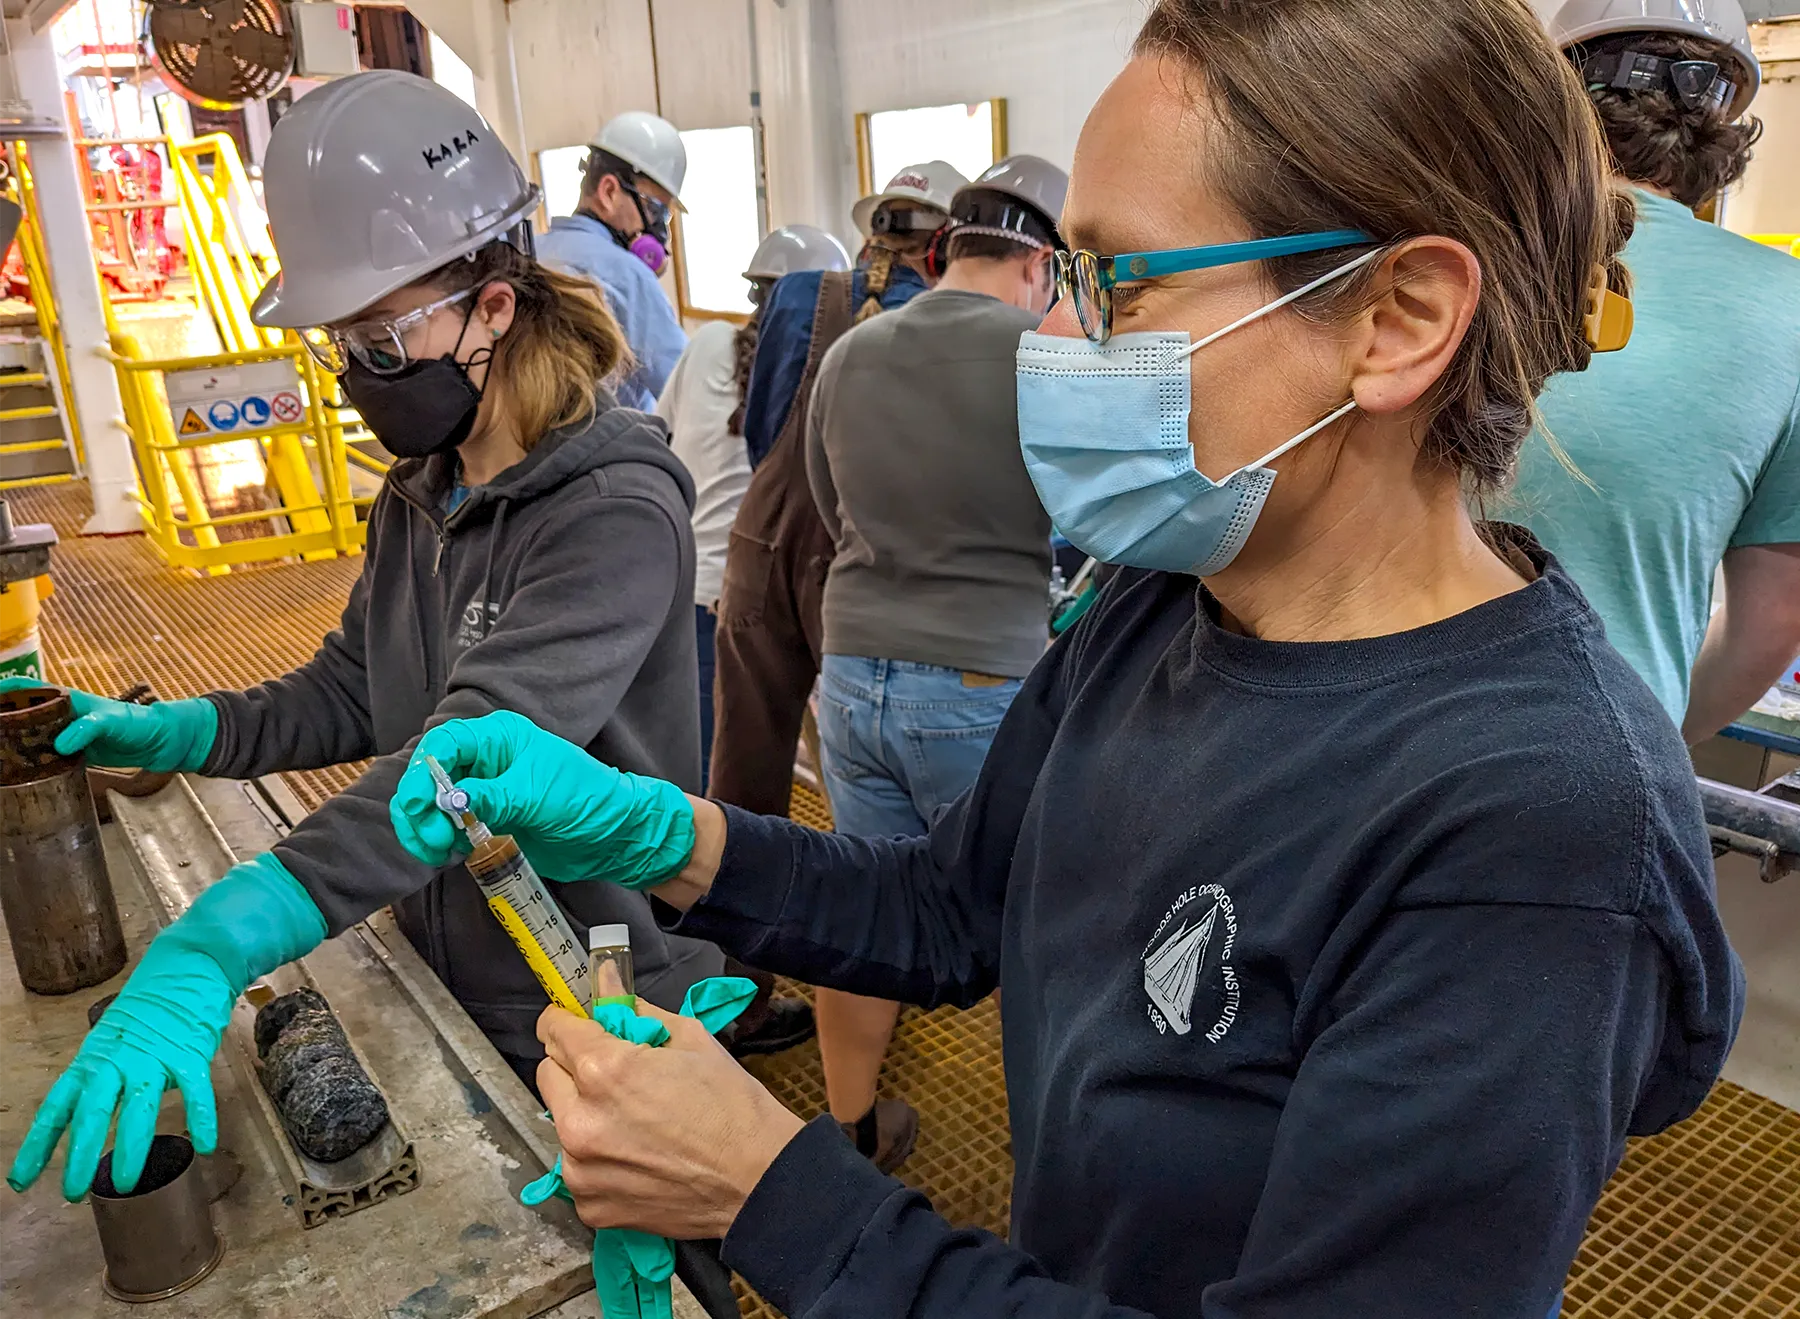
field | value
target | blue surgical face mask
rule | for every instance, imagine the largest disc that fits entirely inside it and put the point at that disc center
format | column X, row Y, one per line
column 1104, row 429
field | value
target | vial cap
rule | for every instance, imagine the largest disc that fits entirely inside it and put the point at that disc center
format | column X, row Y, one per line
column 609, row 936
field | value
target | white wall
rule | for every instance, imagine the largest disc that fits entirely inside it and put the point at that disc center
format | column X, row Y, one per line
column 822, row 62
column 1050, row 59
column 1768, row 200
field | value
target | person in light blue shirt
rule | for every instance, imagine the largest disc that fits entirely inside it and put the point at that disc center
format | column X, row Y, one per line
column 1689, row 439
column 619, row 239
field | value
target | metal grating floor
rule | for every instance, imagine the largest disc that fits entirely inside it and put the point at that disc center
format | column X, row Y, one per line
column 120, row 615
column 1702, row 1222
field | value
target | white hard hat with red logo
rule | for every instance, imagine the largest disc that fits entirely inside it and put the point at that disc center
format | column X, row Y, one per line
column 1583, row 22
column 931, row 184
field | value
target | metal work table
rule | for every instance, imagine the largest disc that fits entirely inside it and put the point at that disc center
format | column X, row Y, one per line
column 1769, row 731
column 460, row 1246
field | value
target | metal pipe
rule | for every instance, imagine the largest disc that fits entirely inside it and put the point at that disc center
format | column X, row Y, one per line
column 54, row 890
column 1754, row 813
column 159, row 1239
column 757, row 139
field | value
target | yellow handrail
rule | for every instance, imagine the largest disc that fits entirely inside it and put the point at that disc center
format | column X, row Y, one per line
column 318, row 525
column 306, row 462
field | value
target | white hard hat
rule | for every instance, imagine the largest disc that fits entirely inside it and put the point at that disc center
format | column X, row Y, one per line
column 982, row 205
column 373, row 181
column 648, row 143
column 796, row 247
column 1721, row 21
column 931, row 184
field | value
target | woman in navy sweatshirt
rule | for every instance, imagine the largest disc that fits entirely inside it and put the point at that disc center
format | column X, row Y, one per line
column 1353, row 902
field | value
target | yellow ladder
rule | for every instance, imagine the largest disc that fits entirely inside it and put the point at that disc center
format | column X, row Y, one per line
column 54, row 352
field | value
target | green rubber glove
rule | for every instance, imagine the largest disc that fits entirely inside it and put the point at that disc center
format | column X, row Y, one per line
column 573, row 817
column 168, row 736
column 632, row 1269
column 164, row 1027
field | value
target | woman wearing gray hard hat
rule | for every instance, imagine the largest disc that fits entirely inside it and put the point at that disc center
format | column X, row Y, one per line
column 529, row 551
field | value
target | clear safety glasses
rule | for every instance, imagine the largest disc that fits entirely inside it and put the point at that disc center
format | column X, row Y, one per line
column 1089, row 278
column 378, row 345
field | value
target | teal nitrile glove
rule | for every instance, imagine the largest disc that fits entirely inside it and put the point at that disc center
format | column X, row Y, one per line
column 632, row 1269
column 164, row 1027
column 574, row 817
column 170, row 736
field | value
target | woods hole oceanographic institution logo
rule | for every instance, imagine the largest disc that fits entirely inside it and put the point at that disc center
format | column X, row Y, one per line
column 1191, row 951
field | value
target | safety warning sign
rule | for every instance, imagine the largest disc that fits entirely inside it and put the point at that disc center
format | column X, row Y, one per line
column 233, row 399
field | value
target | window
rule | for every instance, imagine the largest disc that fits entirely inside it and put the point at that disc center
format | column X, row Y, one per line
column 716, row 237
column 560, row 170
column 718, row 232
column 449, row 72
column 970, row 137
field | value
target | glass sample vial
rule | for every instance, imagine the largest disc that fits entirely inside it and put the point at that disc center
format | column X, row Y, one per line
column 609, row 965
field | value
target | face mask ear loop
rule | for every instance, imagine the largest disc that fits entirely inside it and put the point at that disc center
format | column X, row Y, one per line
column 1306, row 434
column 481, row 355
column 1276, row 305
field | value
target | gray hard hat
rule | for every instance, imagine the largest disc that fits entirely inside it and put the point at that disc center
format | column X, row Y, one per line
column 373, row 181
column 1722, row 21
column 796, row 247
column 1032, row 180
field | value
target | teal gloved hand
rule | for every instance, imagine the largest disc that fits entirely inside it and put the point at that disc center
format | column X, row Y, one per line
column 632, row 1269
column 574, row 817
column 164, row 1027
column 168, row 736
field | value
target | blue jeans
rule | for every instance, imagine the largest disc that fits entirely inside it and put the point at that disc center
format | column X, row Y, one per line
column 706, row 625
column 901, row 741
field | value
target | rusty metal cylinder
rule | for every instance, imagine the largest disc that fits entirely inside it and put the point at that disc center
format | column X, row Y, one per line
column 58, row 903
column 159, row 1239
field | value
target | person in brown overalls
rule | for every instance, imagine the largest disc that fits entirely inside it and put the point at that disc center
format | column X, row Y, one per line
column 769, row 634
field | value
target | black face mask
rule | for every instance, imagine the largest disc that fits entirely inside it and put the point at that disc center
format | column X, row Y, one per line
column 424, row 408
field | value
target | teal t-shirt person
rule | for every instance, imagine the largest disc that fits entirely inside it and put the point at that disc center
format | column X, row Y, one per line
column 1690, row 437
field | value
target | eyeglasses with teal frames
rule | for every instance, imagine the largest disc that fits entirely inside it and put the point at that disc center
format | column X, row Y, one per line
column 1087, row 278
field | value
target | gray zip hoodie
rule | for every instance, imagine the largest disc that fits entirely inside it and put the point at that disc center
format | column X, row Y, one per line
column 561, row 591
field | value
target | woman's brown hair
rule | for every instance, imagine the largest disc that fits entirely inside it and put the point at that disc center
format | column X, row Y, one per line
column 563, row 347
column 1404, row 118
column 886, row 252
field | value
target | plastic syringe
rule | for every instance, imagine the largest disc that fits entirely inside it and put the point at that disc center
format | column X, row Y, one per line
column 519, row 900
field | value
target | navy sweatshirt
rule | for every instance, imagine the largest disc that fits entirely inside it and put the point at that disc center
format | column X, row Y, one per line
column 1336, row 973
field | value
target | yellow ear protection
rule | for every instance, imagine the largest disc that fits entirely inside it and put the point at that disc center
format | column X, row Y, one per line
column 1607, row 324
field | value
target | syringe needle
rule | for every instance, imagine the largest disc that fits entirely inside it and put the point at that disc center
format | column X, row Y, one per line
column 454, row 802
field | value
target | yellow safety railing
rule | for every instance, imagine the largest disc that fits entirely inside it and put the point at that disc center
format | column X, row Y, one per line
column 211, row 184
column 37, row 274
column 305, row 462
column 309, row 522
